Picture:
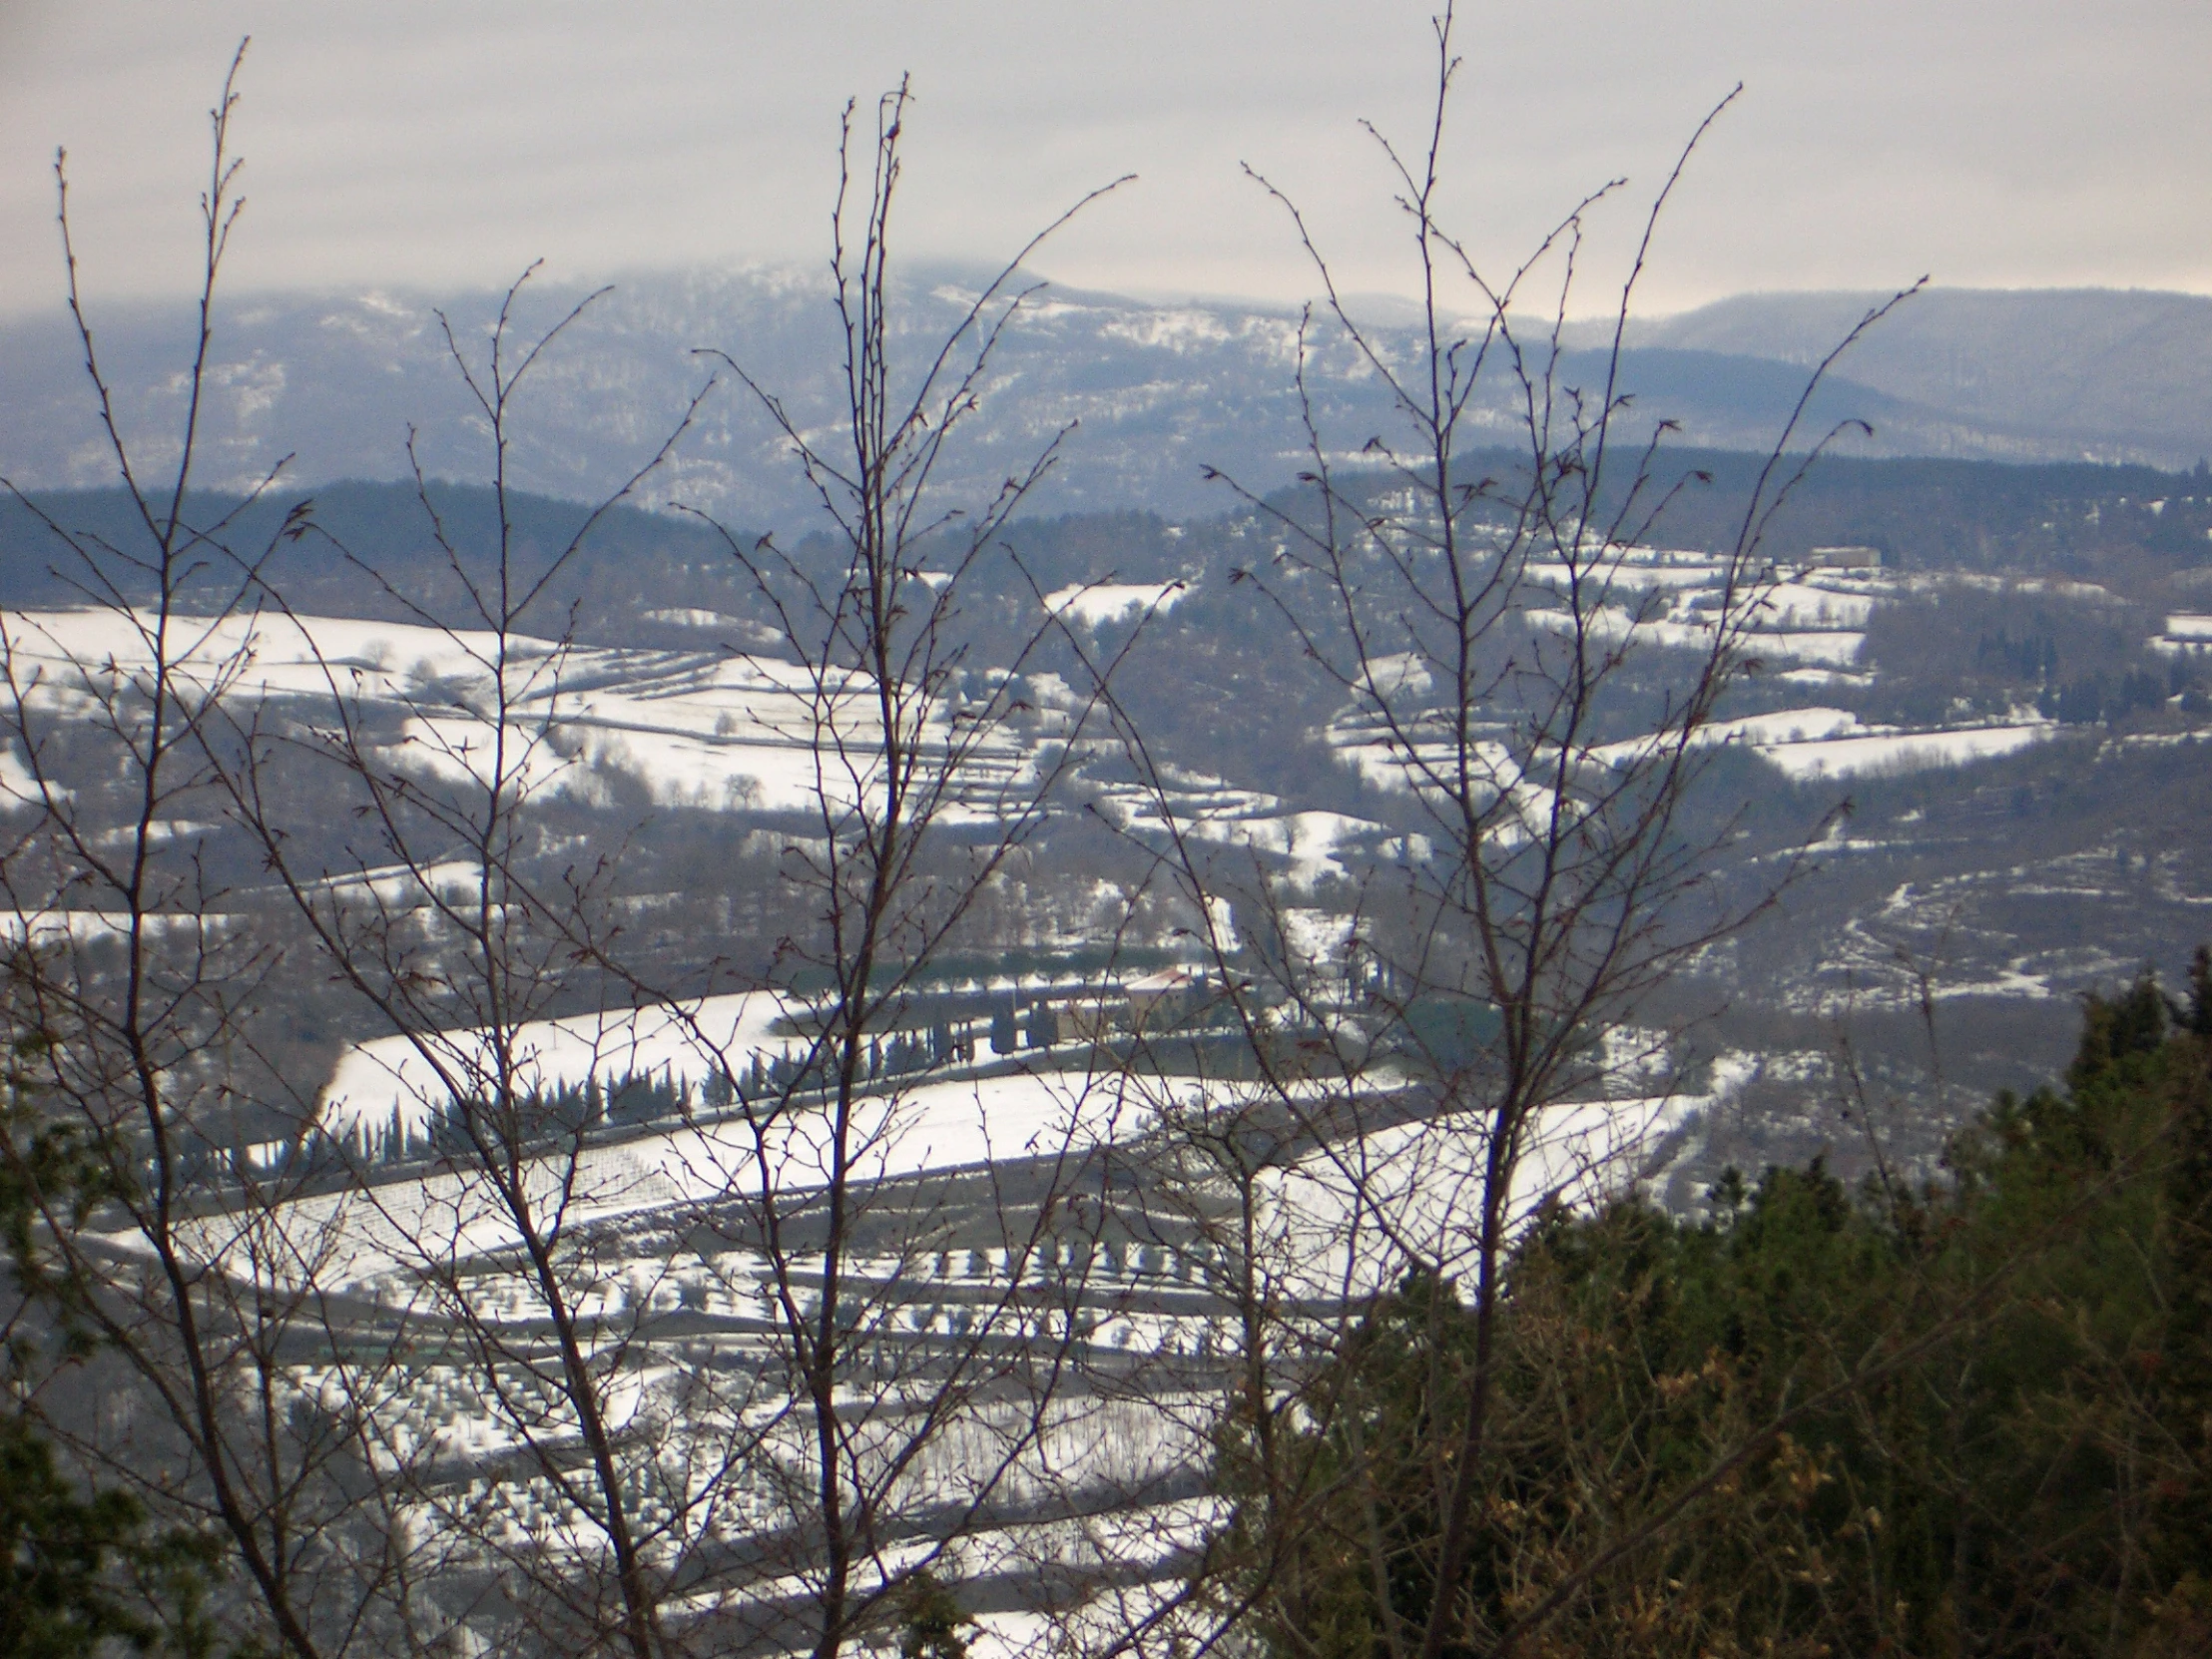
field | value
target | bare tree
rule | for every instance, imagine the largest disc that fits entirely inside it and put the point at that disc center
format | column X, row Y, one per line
column 304, row 1295
column 1449, row 1053
column 918, row 802
column 822, row 1451
column 142, row 990
column 440, row 916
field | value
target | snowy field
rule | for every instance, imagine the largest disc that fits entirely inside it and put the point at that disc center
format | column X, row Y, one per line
column 1679, row 601
column 1833, row 743
column 1887, row 749
column 16, row 782
column 1337, row 1220
column 1344, row 1219
column 1049, row 1106
column 2186, row 634
column 414, row 1077
column 1095, row 603
column 1807, row 628
column 757, row 734
column 899, row 1133
column 706, row 729
column 699, row 728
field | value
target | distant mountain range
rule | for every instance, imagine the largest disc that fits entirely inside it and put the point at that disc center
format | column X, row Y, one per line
column 1156, row 392
column 2033, row 373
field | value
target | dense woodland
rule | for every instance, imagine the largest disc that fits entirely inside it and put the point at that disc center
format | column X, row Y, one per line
column 1971, row 1414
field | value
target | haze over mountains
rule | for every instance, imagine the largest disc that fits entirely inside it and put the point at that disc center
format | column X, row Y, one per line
column 2027, row 375
column 1159, row 391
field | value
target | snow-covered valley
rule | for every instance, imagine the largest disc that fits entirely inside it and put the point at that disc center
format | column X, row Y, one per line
column 1034, row 1121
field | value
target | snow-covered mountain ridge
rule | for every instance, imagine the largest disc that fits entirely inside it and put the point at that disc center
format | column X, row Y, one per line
column 1156, row 392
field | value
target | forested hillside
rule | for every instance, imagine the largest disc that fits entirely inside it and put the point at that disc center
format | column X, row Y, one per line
column 1953, row 1413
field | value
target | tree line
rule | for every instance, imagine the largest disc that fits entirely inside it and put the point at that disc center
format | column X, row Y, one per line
column 1964, row 1413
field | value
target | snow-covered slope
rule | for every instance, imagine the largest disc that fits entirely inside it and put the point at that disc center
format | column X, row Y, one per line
column 1149, row 394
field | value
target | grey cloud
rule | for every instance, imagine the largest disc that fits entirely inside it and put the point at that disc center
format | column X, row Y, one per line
column 408, row 143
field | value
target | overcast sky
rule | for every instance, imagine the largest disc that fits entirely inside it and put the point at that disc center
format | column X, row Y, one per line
column 2015, row 142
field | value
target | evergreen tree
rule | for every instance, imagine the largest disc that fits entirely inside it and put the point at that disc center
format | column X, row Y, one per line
column 1044, row 1026
column 80, row 1570
column 931, row 1619
column 66, row 1558
column 1969, row 1417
